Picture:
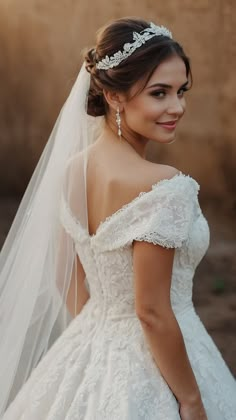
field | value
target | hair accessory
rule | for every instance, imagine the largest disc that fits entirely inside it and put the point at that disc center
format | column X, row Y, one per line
column 128, row 48
column 118, row 121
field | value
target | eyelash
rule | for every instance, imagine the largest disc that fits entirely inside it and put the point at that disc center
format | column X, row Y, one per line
column 157, row 92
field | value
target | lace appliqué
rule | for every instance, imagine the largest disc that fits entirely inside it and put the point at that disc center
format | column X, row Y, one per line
column 162, row 216
column 101, row 367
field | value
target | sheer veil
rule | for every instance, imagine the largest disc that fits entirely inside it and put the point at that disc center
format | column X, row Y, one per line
column 38, row 260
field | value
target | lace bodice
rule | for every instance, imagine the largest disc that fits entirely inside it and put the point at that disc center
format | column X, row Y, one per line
column 168, row 215
column 101, row 367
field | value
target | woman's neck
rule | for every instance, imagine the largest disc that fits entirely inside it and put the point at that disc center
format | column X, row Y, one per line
column 138, row 145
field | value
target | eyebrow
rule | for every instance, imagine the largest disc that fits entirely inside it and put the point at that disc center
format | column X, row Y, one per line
column 164, row 85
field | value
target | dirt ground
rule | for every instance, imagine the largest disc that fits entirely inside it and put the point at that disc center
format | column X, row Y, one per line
column 215, row 278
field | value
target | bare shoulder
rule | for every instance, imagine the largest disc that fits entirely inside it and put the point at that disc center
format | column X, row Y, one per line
column 156, row 172
column 139, row 177
column 148, row 174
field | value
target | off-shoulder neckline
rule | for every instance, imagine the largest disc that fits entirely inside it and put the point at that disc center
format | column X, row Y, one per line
column 132, row 202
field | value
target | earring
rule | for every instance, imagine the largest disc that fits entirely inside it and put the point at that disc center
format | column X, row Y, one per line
column 118, row 121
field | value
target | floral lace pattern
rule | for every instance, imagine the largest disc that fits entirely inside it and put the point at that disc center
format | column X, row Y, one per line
column 101, row 368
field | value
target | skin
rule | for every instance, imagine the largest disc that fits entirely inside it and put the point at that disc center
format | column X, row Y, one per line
column 141, row 115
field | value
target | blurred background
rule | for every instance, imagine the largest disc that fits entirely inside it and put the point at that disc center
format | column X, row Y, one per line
column 40, row 50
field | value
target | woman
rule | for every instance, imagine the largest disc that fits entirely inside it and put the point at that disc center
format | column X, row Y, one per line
column 116, row 240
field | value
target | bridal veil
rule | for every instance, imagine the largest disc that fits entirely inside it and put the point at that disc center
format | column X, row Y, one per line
column 38, row 260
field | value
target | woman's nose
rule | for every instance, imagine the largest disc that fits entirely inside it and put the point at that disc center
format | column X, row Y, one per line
column 176, row 106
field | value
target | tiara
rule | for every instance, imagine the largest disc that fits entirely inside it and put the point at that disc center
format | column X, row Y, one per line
column 139, row 39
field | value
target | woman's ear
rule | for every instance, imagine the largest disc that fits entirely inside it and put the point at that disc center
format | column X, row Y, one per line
column 114, row 99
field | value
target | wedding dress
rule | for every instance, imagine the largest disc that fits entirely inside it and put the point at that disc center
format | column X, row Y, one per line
column 101, row 367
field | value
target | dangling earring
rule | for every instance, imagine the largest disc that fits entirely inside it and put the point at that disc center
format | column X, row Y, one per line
column 118, row 121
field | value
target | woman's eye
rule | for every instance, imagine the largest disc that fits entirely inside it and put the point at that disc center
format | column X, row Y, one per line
column 182, row 91
column 162, row 93
column 159, row 93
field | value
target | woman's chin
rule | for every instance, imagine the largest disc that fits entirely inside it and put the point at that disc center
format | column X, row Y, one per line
column 171, row 139
column 166, row 139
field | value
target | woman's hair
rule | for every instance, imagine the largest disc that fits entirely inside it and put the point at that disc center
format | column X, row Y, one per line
column 139, row 65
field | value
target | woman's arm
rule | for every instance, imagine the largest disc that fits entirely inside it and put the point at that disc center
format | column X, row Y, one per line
column 152, row 274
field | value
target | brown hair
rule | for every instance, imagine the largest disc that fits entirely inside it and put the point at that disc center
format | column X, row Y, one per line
column 141, row 64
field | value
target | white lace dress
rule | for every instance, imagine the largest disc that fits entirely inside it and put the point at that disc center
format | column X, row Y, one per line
column 101, row 368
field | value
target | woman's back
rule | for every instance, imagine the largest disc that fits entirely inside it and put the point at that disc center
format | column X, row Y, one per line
column 116, row 174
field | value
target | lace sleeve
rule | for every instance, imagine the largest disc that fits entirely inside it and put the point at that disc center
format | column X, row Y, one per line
column 161, row 216
column 167, row 222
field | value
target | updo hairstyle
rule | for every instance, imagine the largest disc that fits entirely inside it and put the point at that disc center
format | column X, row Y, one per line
column 139, row 65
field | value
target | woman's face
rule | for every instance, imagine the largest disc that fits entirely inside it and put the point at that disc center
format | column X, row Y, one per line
column 155, row 112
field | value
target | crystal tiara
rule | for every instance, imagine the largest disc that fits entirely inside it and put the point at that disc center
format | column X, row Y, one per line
column 139, row 39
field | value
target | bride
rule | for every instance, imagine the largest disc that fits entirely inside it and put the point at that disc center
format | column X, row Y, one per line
column 97, row 320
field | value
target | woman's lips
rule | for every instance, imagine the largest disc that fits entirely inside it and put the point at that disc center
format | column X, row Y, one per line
column 169, row 125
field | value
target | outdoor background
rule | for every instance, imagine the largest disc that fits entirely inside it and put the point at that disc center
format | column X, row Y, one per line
column 40, row 50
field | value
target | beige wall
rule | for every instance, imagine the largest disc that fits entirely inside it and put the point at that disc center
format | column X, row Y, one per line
column 40, row 44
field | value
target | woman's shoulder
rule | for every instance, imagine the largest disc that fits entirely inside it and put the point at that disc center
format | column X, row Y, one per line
column 156, row 172
column 151, row 208
column 147, row 175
